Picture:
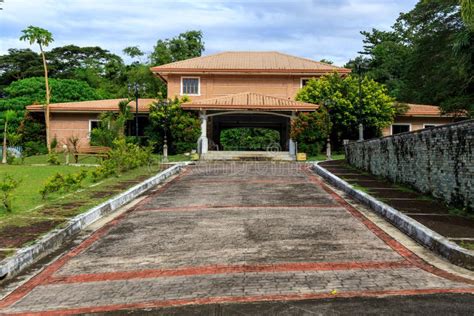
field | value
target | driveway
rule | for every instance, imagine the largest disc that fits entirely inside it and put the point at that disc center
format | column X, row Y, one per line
column 228, row 233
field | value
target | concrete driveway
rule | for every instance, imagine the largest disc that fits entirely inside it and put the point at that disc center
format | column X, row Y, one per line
column 228, row 233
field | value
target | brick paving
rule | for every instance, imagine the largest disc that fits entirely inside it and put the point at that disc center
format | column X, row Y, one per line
column 224, row 232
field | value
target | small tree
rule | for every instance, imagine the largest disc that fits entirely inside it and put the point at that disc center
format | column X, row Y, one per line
column 340, row 96
column 9, row 115
column 182, row 128
column 43, row 38
column 310, row 130
column 7, row 185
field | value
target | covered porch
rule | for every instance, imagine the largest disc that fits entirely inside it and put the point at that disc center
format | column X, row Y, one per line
column 247, row 110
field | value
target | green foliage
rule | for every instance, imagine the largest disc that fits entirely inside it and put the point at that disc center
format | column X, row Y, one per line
column 19, row 64
column 185, row 45
column 62, row 183
column 248, row 138
column 340, row 96
column 123, row 157
column 181, row 128
column 310, row 130
column 7, row 185
column 112, row 125
column 37, row 35
column 53, row 158
column 133, row 51
column 426, row 57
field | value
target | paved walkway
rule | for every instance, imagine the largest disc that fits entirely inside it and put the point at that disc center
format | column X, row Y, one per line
column 223, row 233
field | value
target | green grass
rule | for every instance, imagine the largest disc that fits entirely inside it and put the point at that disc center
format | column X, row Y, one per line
column 43, row 159
column 32, row 178
column 467, row 244
column 322, row 157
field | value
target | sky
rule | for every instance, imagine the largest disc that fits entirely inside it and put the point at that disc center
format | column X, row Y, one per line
column 315, row 29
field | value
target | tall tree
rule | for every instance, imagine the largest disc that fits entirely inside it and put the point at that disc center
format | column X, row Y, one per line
column 19, row 64
column 43, row 38
column 427, row 57
column 186, row 45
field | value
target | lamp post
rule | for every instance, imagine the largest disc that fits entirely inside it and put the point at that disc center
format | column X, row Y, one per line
column 165, row 129
column 361, row 127
column 327, row 104
column 135, row 89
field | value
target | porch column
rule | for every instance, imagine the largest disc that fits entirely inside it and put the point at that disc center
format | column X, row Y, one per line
column 291, row 143
column 203, row 142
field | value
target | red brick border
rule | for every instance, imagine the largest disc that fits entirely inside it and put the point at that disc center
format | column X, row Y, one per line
column 225, row 269
column 394, row 244
column 240, row 299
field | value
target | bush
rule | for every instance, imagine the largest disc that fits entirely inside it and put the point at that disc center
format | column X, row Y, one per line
column 310, row 130
column 61, row 183
column 31, row 148
column 53, row 158
column 123, row 157
column 7, row 185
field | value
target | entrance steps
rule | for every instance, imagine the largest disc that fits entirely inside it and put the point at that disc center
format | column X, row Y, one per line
column 248, row 156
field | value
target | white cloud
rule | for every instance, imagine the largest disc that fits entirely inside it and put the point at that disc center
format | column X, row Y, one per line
column 315, row 29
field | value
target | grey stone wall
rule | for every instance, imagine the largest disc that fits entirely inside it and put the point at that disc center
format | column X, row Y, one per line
column 438, row 160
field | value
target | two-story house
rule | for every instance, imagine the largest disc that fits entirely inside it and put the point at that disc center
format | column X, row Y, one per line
column 231, row 89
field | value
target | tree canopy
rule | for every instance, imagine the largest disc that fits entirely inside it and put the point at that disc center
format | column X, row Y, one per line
column 340, row 97
column 426, row 58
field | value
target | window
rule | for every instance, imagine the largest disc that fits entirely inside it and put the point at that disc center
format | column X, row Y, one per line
column 429, row 125
column 190, row 86
column 400, row 128
column 304, row 82
column 93, row 124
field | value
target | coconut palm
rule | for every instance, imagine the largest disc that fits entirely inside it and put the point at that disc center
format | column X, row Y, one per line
column 9, row 115
column 43, row 38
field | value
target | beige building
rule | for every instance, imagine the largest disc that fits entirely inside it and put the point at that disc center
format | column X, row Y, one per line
column 230, row 89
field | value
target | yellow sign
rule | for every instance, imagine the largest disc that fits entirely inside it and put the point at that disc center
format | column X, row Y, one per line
column 301, row 157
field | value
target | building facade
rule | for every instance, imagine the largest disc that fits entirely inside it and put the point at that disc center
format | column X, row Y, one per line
column 229, row 90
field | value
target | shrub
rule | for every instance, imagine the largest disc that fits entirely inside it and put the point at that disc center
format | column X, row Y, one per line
column 7, row 185
column 34, row 148
column 53, row 158
column 61, row 183
column 310, row 130
column 123, row 157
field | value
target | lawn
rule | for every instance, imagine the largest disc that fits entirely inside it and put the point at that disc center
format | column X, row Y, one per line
column 32, row 216
column 322, row 157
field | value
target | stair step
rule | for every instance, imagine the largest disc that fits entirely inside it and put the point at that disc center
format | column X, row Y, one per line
column 247, row 155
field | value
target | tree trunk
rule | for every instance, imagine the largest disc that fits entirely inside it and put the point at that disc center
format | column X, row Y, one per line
column 4, row 152
column 46, row 106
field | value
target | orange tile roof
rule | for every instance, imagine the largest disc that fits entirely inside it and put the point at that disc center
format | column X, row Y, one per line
column 262, row 62
column 422, row 110
column 249, row 101
column 91, row 106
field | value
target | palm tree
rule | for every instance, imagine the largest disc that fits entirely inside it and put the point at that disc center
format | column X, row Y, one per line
column 43, row 38
column 9, row 115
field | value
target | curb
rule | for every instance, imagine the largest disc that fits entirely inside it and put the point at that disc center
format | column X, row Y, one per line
column 422, row 234
column 24, row 257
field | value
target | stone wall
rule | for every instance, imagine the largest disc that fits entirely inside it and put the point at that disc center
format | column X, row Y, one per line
column 438, row 160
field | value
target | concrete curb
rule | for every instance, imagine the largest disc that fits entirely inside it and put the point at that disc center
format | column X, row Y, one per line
column 427, row 237
column 24, row 257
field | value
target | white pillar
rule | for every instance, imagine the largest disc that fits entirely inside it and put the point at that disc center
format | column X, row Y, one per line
column 291, row 143
column 203, row 138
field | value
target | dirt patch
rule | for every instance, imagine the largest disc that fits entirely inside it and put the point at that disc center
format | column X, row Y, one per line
column 102, row 194
column 16, row 236
column 449, row 225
